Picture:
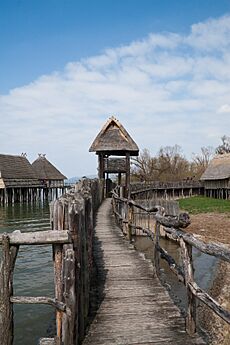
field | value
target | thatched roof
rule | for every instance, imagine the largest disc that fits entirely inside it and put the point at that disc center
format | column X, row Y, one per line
column 16, row 167
column 45, row 170
column 113, row 138
column 218, row 168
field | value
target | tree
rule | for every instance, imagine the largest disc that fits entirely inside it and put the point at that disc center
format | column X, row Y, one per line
column 201, row 160
column 225, row 146
column 143, row 167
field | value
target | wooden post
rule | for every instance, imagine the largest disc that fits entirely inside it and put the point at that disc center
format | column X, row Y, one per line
column 9, row 254
column 57, row 223
column 156, row 246
column 127, row 176
column 186, row 251
column 130, row 220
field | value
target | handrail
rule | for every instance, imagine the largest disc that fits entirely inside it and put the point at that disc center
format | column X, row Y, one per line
column 124, row 211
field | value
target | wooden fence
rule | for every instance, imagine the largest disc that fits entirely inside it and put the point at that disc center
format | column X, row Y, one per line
column 166, row 190
column 125, row 213
column 72, row 221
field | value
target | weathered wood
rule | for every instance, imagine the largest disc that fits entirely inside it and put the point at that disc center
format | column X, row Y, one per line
column 58, row 223
column 132, row 306
column 175, row 268
column 181, row 221
column 218, row 250
column 38, row 300
column 156, row 246
column 9, row 254
column 209, row 301
column 38, row 237
column 186, row 251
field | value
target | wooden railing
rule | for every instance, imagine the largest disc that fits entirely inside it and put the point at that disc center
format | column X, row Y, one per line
column 72, row 221
column 124, row 210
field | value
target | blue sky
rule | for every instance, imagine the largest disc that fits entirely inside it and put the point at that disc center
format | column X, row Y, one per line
column 161, row 66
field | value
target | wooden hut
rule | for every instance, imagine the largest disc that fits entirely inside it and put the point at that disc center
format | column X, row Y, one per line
column 18, row 181
column 114, row 140
column 216, row 177
column 48, row 175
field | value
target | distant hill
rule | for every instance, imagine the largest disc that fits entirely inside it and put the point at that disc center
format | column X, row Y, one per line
column 75, row 179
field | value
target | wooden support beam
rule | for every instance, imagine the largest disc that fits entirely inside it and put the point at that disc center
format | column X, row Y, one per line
column 186, row 251
column 209, row 301
column 38, row 300
column 38, row 237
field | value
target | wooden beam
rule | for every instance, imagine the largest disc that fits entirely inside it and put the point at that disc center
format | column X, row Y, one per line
column 209, row 301
column 38, row 237
column 38, row 300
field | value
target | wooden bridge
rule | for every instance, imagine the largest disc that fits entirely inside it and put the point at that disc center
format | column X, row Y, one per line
column 134, row 308
column 126, row 303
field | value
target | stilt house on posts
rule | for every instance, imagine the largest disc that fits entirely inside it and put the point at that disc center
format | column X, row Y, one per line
column 17, row 179
column 48, row 175
column 114, row 140
column 216, row 177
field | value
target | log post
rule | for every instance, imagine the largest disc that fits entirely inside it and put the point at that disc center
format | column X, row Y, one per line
column 9, row 254
column 186, row 251
column 57, row 222
column 156, row 247
column 130, row 221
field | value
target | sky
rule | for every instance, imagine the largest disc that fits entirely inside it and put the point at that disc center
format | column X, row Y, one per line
column 161, row 67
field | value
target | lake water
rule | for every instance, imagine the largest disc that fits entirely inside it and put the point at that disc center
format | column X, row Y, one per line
column 33, row 272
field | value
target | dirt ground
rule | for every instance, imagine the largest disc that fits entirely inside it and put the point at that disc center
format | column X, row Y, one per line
column 213, row 227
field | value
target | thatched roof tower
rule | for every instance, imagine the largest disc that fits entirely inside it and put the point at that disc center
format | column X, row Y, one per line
column 114, row 139
column 45, row 170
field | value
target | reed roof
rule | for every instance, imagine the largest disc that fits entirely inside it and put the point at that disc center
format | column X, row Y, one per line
column 16, row 167
column 46, row 170
column 218, row 168
column 113, row 137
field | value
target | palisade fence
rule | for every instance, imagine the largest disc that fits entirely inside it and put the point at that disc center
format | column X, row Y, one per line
column 71, row 235
column 128, row 213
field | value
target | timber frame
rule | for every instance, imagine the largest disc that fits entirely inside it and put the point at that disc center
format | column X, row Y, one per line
column 114, row 140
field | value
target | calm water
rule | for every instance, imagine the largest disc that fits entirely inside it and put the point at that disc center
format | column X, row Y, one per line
column 33, row 272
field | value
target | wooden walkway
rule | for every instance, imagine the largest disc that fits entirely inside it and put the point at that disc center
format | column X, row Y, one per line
column 133, row 307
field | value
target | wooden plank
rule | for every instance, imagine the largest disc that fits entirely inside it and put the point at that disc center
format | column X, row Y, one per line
column 132, row 306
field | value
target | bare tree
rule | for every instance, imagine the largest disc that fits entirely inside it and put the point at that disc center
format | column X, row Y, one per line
column 225, row 146
column 144, row 166
column 201, row 160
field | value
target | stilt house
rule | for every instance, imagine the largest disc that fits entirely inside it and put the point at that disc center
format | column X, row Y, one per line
column 114, row 140
column 48, row 175
column 216, row 177
column 17, row 178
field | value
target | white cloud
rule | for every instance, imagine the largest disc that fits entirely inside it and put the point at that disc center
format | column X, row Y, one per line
column 166, row 89
column 225, row 108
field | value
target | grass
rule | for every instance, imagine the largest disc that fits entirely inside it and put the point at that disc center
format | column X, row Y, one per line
column 201, row 204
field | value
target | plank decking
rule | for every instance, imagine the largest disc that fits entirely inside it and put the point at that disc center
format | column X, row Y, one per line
column 133, row 307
